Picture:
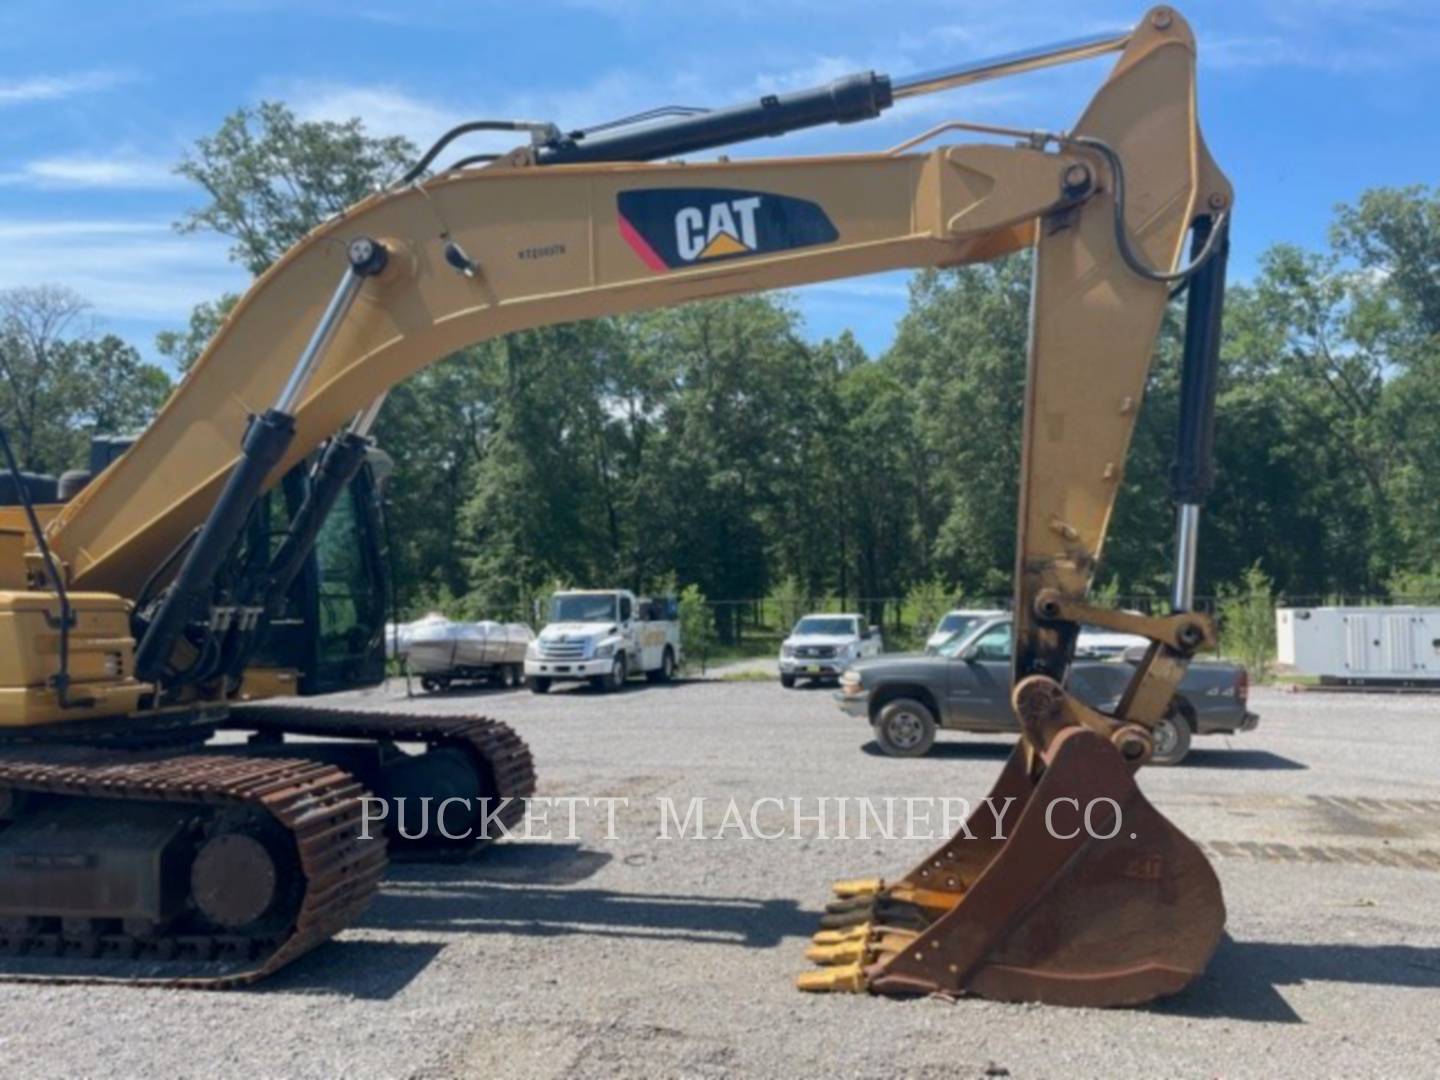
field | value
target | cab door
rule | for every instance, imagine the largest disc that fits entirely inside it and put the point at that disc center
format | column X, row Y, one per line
column 633, row 646
column 978, row 683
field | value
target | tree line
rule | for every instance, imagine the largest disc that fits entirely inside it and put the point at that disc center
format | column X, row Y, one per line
column 713, row 445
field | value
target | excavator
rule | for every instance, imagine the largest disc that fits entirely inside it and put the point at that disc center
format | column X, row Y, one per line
column 168, row 808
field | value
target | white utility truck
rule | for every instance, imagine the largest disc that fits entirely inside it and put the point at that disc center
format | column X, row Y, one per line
column 604, row 636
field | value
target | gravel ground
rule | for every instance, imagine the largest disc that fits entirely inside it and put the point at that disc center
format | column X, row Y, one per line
column 645, row 956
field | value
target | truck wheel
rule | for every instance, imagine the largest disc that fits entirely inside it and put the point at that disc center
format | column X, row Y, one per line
column 905, row 728
column 539, row 685
column 516, row 675
column 787, row 681
column 433, row 684
column 1172, row 739
column 615, row 681
column 666, row 671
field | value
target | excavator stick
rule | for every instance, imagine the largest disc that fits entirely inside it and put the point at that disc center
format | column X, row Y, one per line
column 1067, row 886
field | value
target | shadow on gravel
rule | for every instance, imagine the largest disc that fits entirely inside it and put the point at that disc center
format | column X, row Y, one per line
column 469, row 906
column 954, row 751
column 461, row 690
column 367, row 970
column 634, row 686
column 1243, row 979
column 510, row 863
column 1258, row 760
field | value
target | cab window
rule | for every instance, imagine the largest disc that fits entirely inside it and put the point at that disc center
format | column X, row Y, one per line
column 625, row 609
column 994, row 644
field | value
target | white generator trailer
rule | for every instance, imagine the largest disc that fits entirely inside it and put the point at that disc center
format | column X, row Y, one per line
column 1394, row 647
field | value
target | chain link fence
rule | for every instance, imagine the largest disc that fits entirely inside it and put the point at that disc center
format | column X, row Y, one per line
column 755, row 626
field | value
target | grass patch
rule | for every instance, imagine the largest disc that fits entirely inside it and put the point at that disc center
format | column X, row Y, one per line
column 749, row 676
column 748, row 649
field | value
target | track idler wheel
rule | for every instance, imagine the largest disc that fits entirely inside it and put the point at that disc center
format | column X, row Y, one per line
column 1066, row 886
column 245, row 878
column 437, row 798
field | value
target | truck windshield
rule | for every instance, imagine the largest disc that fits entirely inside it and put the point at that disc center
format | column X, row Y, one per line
column 816, row 624
column 955, row 623
column 580, row 608
column 993, row 638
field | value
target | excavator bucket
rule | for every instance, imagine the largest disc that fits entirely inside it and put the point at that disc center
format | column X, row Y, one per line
column 1065, row 886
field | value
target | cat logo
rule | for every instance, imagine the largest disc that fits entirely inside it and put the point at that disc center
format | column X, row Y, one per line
column 1145, row 868
column 728, row 229
column 674, row 228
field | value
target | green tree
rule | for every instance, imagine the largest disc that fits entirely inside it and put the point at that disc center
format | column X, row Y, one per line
column 183, row 347
column 271, row 177
column 62, row 385
column 961, row 349
column 1247, row 621
column 1414, row 587
column 925, row 604
column 697, row 626
column 720, row 446
column 546, row 493
column 788, row 601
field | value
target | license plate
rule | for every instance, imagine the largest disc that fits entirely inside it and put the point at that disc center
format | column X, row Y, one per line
column 813, row 669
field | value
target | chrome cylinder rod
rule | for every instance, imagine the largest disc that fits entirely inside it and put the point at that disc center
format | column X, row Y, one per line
column 996, row 67
column 1187, row 531
column 367, row 259
column 364, row 422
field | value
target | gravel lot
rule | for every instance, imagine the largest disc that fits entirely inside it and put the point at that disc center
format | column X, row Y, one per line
column 644, row 956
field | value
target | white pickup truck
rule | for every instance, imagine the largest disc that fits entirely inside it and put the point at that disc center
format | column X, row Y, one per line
column 823, row 646
column 604, row 636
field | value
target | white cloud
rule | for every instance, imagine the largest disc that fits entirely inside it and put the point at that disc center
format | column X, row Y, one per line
column 55, row 87
column 126, row 269
column 129, row 172
column 394, row 110
column 386, row 110
column 1387, row 50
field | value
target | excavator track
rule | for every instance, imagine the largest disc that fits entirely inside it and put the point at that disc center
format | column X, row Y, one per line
column 501, row 758
column 317, row 806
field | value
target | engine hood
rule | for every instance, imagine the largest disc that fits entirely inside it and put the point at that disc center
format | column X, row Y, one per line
column 901, row 666
column 577, row 631
column 839, row 640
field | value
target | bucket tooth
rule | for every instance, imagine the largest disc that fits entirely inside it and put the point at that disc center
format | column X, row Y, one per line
column 846, row 952
column 935, row 900
column 858, row 887
column 849, row 979
column 837, row 937
column 876, row 941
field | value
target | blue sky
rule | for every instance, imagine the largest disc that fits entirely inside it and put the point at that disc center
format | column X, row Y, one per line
column 1305, row 104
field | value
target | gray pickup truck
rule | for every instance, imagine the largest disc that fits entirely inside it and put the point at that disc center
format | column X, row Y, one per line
column 965, row 686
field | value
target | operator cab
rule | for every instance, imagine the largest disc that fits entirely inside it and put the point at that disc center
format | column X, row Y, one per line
column 332, row 626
